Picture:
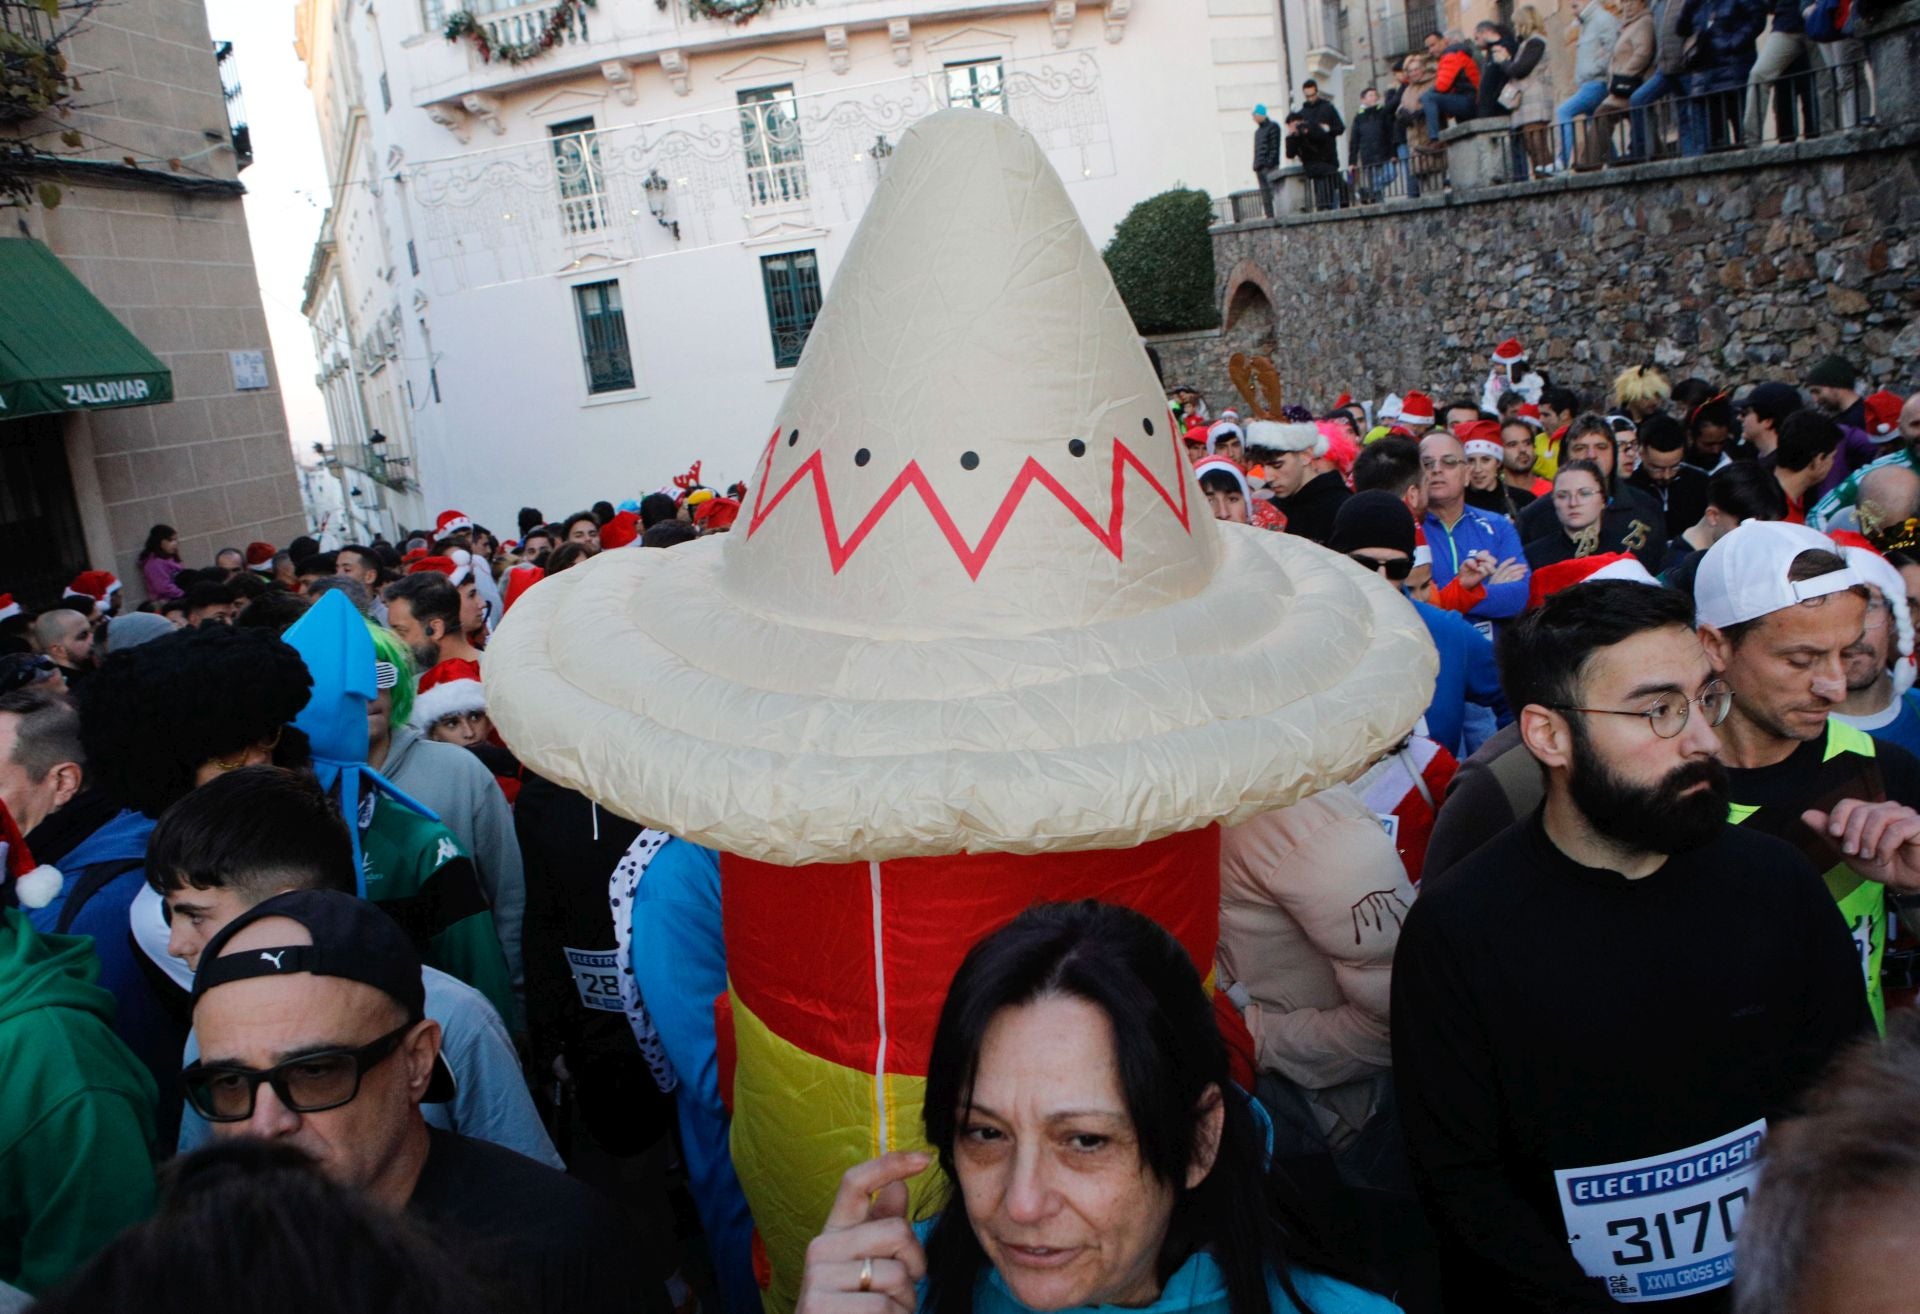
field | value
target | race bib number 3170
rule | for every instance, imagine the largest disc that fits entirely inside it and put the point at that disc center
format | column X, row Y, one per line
column 1664, row 1226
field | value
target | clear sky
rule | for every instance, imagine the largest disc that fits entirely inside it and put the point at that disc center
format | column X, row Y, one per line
column 286, row 191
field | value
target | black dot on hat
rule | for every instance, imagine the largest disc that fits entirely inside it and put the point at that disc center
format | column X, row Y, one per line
column 862, row 456
column 1148, row 426
column 793, row 438
column 969, row 460
column 1076, row 448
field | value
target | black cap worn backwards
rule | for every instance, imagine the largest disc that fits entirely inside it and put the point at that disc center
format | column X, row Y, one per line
column 352, row 940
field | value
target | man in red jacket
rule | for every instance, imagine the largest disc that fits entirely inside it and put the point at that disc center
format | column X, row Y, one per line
column 1456, row 86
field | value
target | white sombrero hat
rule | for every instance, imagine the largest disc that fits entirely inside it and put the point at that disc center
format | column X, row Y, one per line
column 974, row 602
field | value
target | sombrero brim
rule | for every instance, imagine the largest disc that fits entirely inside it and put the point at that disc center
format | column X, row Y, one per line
column 634, row 679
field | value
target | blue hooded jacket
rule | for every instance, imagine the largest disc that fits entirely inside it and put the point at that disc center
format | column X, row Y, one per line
column 333, row 641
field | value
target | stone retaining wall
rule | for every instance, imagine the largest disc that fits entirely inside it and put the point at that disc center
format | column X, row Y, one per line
column 1737, row 268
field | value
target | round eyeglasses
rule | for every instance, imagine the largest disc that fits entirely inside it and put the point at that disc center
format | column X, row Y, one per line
column 1668, row 712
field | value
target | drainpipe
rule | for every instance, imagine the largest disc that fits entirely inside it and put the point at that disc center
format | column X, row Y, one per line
column 1286, row 62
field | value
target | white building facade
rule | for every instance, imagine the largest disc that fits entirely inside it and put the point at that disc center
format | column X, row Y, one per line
column 569, row 270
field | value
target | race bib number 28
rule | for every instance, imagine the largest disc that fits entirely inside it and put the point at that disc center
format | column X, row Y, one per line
column 1664, row 1226
column 596, row 975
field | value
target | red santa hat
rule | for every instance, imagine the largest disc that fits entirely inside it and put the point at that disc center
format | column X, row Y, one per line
column 1343, row 401
column 519, row 580
column 260, row 557
column 1549, row 580
column 716, row 514
column 1416, row 408
column 456, row 566
column 1479, row 437
column 1529, row 413
column 448, row 687
column 8, row 607
column 413, row 555
column 1221, row 465
column 451, row 522
column 34, row 884
column 1882, row 414
column 618, row 532
column 1509, row 352
column 95, row 587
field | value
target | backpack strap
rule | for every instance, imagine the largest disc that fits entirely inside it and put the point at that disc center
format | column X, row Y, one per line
column 96, row 878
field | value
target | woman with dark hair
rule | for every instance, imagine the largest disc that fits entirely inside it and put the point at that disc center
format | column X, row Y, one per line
column 255, row 1225
column 1093, row 1149
column 160, row 562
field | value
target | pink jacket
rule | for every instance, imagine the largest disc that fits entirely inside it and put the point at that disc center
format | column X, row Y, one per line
column 1311, row 900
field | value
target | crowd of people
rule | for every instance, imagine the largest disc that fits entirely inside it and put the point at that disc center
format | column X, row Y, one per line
column 1649, row 79
column 1597, row 988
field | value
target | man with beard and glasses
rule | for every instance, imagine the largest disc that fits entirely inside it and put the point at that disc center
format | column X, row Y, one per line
column 1598, row 1012
column 1779, row 608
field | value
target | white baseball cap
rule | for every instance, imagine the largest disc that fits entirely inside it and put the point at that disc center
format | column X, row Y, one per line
column 1744, row 576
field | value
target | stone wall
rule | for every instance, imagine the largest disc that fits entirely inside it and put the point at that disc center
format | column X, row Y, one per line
column 178, row 270
column 1737, row 268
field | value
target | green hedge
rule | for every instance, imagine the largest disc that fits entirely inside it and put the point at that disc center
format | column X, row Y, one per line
column 1162, row 261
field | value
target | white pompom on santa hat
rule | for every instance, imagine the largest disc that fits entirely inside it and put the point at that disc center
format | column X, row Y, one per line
column 449, row 687
column 8, row 607
column 34, row 884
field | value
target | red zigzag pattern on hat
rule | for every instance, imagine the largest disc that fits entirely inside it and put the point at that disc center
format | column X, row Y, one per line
column 972, row 557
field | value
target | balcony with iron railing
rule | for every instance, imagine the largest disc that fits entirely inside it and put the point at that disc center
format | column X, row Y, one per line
column 371, row 459
column 442, row 71
column 1404, row 26
column 237, row 128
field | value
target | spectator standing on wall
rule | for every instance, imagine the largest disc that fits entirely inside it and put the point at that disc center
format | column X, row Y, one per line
column 1413, row 116
column 1497, row 45
column 1596, row 29
column 1370, row 152
column 1266, row 155
column 1776, row 54
column 1313, row 138
column 1456, row 86
column 1727, row 32
column 1532, row 73
column 1392, row 107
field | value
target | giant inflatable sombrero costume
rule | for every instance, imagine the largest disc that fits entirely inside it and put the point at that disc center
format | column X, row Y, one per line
column 974, row 642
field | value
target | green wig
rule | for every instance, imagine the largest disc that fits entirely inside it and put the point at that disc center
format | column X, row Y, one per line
column 387, row 647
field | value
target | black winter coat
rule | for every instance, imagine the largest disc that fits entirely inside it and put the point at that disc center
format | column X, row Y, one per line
column 1371, row 141
column 1266, row 147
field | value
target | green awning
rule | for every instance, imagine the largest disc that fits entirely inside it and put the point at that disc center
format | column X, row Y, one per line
column 60, row 349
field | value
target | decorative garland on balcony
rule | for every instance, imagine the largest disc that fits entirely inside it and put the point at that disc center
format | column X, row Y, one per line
column 730, row 11
column 463, row 24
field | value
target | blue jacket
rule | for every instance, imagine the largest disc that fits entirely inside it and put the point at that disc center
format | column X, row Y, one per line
column 1728, row 31
column 680, row 966
column 1196, row 1287
column 1468, row 674
column 1478, row 531
column 140, row 1017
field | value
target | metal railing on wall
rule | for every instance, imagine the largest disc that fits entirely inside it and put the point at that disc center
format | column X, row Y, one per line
column 1804, row 105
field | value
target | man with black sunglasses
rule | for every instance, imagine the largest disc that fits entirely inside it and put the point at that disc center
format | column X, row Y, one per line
column 309, row 1012
column 1375, row 531
column 1597, row 1013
